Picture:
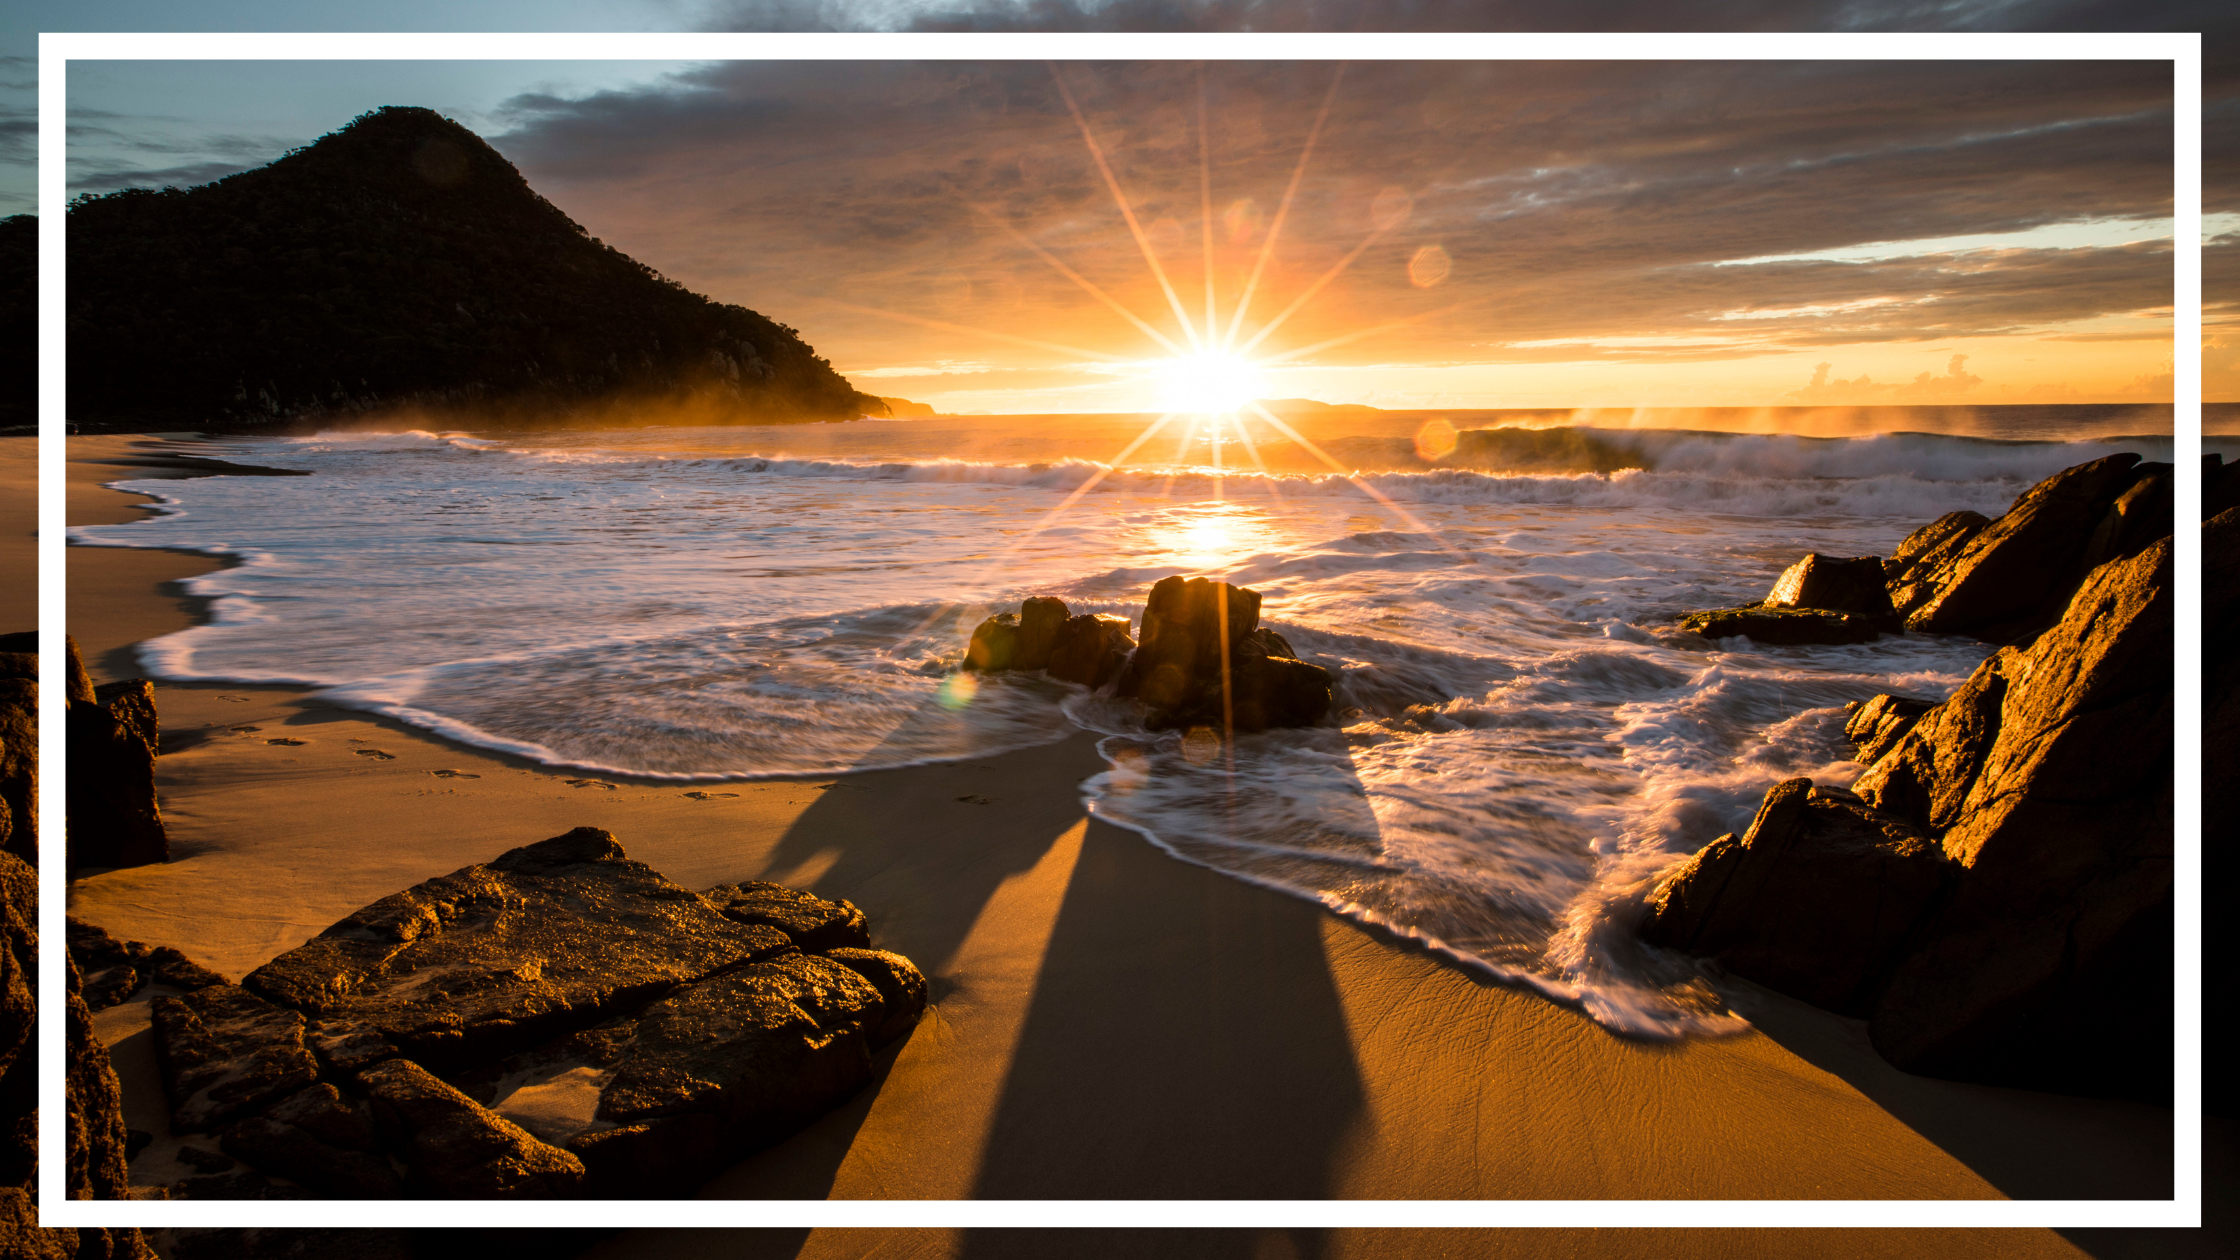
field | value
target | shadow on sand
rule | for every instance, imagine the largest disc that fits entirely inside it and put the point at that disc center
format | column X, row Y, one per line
column 2026, row 1144
column 1171, row 1012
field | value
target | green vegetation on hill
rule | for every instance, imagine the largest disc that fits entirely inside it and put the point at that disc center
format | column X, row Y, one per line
column 401, row 261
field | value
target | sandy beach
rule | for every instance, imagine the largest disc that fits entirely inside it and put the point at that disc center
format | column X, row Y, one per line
column 1107, row 1021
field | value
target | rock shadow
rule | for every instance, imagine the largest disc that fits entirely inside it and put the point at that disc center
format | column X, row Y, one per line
column 1185, row 1041
column 2028, row 1145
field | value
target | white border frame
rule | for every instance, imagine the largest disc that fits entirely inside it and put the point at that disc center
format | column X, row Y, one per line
column 56, row 51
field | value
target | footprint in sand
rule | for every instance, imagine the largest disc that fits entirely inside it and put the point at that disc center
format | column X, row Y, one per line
column 374, row 753
column 291, row 743
column 235, row 699
column 453, row 774
column 591, row 783
column 709, row 796
column 244, row 730
column 976, row 799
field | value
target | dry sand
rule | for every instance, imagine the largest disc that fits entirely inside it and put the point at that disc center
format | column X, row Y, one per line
column 1107, row 1022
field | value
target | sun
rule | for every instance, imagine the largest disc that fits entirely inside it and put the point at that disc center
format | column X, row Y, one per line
column 1209, row 383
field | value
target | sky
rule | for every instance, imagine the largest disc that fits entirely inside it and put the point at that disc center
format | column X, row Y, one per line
column 1462, row 235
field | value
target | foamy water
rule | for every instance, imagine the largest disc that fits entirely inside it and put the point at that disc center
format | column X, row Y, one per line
column 1519, row 744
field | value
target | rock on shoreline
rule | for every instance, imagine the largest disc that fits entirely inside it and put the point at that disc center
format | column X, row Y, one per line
column 1204, row 659
column 1995, row 895
column 560, row 1021
column 1963, row 573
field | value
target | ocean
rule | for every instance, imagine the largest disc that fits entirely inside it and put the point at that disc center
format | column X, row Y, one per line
column 1520, row 743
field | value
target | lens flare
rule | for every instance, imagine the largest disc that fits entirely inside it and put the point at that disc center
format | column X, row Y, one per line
column 1208, row 384
column 956, row 691
column 1435, row 440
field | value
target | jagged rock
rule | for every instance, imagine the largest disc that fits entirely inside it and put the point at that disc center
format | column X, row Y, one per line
column 995, row 644
column 809, row 921
column 1923, row 552
column 19, row 744
column 22, row 1238
column 95, row 1123
column 227, row 1053
column 1831, row 584
column 114, row 818
column 499, row 956
column 1187, row 628
column 204, row 1160
column 454, row 1147
column 2017, row 573
column 1179, row 670
column 2054, row 956
column 724, row 1066
column 1782, row 626
column 360, row 1243
column 329, row 1170
column 1039, row 620
column 901, row 986
column 329, row 1115
column 115, row 970
column 238, row 1182
column 1817, row 899
column 2139, row 515
column 19, row 1008
column 2220, row 487
column 1877, row 725
column 1271, row 687
column 1091, row 650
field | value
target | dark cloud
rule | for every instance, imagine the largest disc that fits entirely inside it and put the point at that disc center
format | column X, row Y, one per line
column 1575, row 200
column 1470, row 15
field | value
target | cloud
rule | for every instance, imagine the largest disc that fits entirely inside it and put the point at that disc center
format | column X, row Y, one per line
column 1951, row 387
column 1577, row 202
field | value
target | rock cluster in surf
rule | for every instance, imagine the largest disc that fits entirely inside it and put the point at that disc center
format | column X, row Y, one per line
column 558, row 1022
column 1204, row 659
column 1963, row 573
column 1994, row 894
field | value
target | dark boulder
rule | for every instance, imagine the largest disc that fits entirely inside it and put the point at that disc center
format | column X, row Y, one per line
column 19, row 753
column 1090, row 650
column 1875, row 726
column 2141, row 514
column 499, row 956
column 901, row 986
column 328, row 1114
column 114, row 819
column 328, row 1170
column 1202, row 661
column 724, row 1066
column 995, row 644
column 227, row 1053
column 1783, row 627
column 2015, row 575
column 1271, row 687
column 1188, row 628
column 115, row 970
column 1039, row 620
column 809, row 921
column 1816, row 900
column 19, row 1011
column 2051, row 968
column 455, row 1148
column 1905, row 574
column 1831, row 584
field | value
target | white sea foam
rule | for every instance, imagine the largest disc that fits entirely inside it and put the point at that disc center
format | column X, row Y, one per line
column 1520, row 746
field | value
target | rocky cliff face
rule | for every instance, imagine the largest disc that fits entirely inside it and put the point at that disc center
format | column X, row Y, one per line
column 95, row 1140
column 402, row 261
column 1994, row 897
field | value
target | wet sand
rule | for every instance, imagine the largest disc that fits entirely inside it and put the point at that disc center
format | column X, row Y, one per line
column 1108, row 1022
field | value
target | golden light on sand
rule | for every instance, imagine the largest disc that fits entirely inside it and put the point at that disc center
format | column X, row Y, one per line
column 1209, row 383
